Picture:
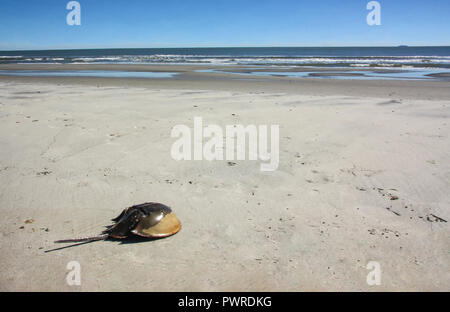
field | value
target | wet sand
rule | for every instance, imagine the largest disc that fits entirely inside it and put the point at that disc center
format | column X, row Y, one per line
column 189, row 77
column 364, row 176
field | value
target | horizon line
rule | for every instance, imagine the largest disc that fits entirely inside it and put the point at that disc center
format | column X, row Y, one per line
column 232, row 47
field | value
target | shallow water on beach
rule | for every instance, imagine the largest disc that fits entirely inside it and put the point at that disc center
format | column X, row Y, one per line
column 359, row 75
column 88, row 73
column 412, row 74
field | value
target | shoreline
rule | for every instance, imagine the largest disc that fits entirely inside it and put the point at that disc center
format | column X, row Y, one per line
column 189, row 77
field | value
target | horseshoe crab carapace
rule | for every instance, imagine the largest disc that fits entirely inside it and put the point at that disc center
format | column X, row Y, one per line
column 150, row 220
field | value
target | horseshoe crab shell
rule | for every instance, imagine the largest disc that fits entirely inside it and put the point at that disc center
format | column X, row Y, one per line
column 152, row 220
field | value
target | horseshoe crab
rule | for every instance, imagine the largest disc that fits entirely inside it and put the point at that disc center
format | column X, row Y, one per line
column 150, row 220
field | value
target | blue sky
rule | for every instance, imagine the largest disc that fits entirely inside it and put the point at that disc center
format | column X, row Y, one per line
column 41, row 24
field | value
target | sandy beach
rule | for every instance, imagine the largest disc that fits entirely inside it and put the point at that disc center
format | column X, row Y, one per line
column 364, row 175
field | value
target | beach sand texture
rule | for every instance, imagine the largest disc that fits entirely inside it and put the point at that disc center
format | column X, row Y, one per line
column 363, row 177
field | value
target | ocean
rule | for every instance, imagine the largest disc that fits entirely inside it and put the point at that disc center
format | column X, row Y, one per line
column 352, row 57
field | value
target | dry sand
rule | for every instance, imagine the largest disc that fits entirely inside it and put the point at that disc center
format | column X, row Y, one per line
column 75, row 152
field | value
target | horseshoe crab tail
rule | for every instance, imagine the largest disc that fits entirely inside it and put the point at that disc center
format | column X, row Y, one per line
column 83, row 240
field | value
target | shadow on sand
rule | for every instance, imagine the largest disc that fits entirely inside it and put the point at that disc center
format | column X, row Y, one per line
column 125, row 241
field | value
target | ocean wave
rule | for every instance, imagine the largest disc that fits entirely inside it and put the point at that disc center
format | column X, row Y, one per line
column 258, row 60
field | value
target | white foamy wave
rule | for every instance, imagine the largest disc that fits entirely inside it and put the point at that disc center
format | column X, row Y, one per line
column 96, row 59
column 10, row 57
column 257, row 60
